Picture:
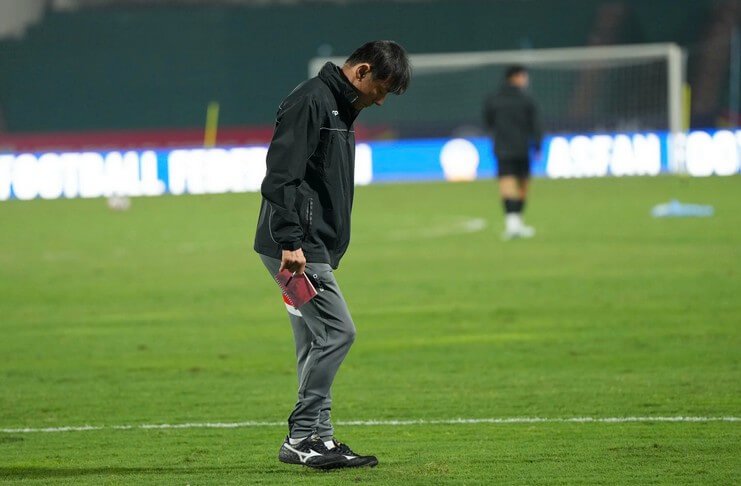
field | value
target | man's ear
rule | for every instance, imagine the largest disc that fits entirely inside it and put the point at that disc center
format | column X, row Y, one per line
column 362, row 70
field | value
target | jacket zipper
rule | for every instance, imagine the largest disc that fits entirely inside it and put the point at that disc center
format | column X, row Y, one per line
column 309, row 215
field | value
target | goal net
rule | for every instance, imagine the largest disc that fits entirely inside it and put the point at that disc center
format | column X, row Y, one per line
column 587, row 89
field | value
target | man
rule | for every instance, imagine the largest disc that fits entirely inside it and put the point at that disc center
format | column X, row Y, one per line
column 304, row 226
column 511, row 116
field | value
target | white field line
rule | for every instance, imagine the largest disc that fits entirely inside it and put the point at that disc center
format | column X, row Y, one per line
column 460, row 226
column 394, row 423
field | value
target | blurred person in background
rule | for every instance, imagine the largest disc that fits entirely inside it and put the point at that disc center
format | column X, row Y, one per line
column 304, row 226
column 511, row 117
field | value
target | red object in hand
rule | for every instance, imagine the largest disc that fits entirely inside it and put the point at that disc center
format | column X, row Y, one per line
column 297, row 288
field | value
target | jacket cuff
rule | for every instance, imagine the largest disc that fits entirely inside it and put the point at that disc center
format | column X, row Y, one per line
column 291, row 246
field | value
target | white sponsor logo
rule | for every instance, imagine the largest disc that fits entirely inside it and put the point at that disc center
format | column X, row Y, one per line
column 600, row 155
column 184, row 171
column 302, row 456
column 706, row 154
column 697, row 153
column 363, row 164
column 459, row 159
column 292, row 310
column 213, row 171
column 79, row 174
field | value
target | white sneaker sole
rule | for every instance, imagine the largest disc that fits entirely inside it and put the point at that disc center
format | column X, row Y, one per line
column 524, row 233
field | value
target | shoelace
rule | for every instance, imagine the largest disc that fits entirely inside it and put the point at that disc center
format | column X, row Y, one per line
column 315, row 444
column 344, row 449
column 318, row 445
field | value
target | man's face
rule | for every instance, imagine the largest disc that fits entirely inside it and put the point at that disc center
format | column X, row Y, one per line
column 521, row 80
column 370, row 90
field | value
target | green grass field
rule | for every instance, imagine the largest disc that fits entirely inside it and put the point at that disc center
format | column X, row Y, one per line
column 164, row 315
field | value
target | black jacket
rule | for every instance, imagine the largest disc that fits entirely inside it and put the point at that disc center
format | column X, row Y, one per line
column 511, row 117
column 308, row 189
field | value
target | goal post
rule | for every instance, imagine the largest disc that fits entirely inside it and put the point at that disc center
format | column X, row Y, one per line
column 637, row 87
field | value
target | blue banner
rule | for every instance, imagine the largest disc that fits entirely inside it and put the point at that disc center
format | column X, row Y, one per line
column 54, row 175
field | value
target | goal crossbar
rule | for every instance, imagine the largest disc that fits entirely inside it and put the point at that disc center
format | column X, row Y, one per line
column 670, row 52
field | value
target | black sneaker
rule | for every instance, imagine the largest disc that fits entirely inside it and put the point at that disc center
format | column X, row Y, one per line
column 353, row 459
column 311, row 452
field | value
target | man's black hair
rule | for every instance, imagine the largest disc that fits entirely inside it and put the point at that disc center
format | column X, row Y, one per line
column 514, row 70
column 389, row 62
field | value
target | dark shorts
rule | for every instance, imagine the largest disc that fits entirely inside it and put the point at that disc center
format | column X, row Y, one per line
column 518, row 167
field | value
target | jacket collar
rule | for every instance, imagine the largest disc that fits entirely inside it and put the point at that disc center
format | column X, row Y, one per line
column 343, row 91
column 510, row 88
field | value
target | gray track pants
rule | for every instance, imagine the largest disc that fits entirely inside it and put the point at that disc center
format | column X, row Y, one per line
column 323, row 331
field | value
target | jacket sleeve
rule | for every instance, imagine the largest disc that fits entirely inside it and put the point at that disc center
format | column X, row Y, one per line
column 489, row 114
column 295, row 139
column 536, row 129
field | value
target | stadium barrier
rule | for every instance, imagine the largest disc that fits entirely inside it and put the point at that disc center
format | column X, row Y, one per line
column 53, row 175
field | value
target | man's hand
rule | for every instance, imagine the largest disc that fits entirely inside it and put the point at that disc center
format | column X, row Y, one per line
column 293, row 261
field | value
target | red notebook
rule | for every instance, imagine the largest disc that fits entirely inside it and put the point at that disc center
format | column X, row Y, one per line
column 297, row 288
